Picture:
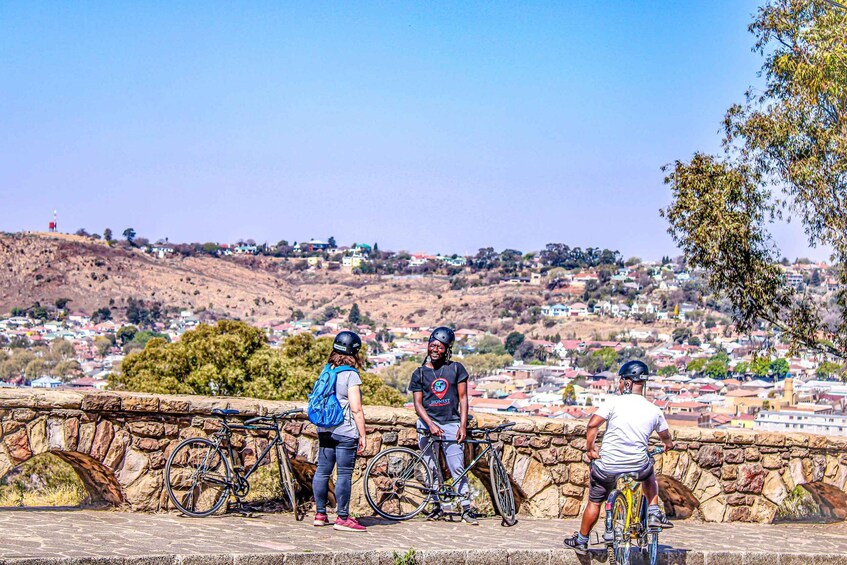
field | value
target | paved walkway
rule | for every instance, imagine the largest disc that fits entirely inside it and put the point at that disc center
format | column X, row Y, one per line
column 77, row 536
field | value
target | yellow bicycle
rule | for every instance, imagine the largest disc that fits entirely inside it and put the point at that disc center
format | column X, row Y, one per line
column 626, row 521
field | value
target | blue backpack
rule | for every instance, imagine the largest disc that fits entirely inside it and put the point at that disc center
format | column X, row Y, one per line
column 324, row 408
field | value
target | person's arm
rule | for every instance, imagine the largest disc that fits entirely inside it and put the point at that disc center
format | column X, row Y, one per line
column 664, row 432
column 462, row 388
column 354, row 397
column 417, row 399
column 591, row 436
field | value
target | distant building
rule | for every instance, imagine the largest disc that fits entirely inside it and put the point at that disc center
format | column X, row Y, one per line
column 801, row 421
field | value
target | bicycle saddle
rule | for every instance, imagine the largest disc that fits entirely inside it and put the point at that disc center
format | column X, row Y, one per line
column 223, row 412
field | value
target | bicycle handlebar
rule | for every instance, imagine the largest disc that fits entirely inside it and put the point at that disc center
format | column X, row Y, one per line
column 656, row 451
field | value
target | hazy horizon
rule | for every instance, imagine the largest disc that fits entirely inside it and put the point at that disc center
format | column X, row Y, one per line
column 424, row 127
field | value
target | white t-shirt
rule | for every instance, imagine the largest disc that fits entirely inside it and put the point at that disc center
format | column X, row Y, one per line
column 631, row 420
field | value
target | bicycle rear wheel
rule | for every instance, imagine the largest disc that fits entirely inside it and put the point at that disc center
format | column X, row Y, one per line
column 197, row 477
column 619, row 549
column 398, row 483
column 504, row 497
column 652, row 547
column 286, row 477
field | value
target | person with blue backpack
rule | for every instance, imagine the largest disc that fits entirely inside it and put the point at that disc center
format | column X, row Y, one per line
column 335, row 407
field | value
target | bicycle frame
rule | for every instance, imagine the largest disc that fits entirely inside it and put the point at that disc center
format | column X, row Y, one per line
column 489, row 446
column 226, row 433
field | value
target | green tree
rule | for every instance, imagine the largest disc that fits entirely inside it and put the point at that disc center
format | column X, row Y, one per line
column 103, row 345
column 667, row 371
column 490, row 344
column 513, row 341
column 355, row 316
column 760, row 367
column 331, row 242
column 697, row 365
column 569, row 395
column 785, row 154
column 129, row 234
column 779, row 367
column 485, row 363
column 607, row 356
column 126, row 334
column 61, row 303
column 232, row 358
column 716, row 369
column 107, row 235
column 827, row 369
column 741, row 367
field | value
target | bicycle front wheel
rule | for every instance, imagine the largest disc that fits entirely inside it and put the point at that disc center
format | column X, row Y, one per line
column 197, row 477
column 619, row 549
column 286, row 477
column 501, row 486
column 398, row 484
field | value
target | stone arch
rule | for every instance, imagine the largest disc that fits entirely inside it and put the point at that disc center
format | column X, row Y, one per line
column 813, row 502
column 83, row 446
column 679, row 500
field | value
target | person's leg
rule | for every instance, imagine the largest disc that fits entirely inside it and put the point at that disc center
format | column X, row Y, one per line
column 651, row 490
column 650, row 486
column 345, row 456
column 589, row 518
column 326, row 462
column 455, row 455
column 430, row 458
column 599, row 486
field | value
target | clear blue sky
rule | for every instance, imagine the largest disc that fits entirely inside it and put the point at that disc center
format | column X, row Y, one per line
column 435, row 126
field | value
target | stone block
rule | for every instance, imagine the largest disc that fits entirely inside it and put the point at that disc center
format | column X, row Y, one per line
column 707, row 487
column 734, row 456
column 38, row 436
column 539, row 442
column 147, row 429
column 741, row 437
column 751, row 454
column 570, row 507
column 571, row 490
column 103, row 436
column 389, row 438
column 528, row 556
column 579, row 474
column 729, row 473
column 486, row 557
column 101, row 402
column 774, row 488
column 117, row 449
column 86, row 437
column 71, row 433
column 23, row 414
column 143, row 494
column 17, row 444
column 751, row 478
column 140, row 403
column 407, row 437
column 171, row 405
column 772, row 462
column 796, row 440
column 710, row 456
column 55, row 434
column 686, row 434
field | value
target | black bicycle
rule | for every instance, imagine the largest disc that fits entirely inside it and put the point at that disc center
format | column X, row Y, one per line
column 399, row 483
column 201, row 473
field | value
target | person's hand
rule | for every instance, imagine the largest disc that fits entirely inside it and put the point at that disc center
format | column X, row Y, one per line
column 461, row 434
column 435, row 430
column 362, row 445
column 668, row 443
column 593, row 453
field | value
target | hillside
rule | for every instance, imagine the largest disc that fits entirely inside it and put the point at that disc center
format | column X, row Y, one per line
column 45, row 267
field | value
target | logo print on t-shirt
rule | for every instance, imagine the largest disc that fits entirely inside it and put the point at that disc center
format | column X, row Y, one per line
column 439, row 388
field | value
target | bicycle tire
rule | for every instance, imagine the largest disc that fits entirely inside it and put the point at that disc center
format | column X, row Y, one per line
column 202, row 467
column 652, row 547
column 619, row 548
column 388, row 485
column 501, row 486
column 286, row 478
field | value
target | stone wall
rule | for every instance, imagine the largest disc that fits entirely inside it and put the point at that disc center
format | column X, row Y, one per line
column 119, row 443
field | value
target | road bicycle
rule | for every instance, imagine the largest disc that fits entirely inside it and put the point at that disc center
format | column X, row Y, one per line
column 622, row 529
column 201, row 473
column 399, row 483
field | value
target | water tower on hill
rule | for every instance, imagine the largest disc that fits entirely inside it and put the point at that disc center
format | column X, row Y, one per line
column 54, row 225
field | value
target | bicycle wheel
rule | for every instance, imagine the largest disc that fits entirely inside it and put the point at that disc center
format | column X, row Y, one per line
column 648, row 539
column 286, row 477
column 398, row 483
column 501, row 486
column 197, row 476
column 621, row 541
column 652, row 547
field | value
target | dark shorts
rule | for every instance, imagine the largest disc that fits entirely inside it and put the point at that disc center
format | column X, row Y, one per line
column 601, row 483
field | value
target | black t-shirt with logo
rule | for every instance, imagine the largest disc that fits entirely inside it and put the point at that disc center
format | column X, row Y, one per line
column 439, row 388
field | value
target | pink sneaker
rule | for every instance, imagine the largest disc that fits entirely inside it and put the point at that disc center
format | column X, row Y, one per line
column 349, row 525
column 321, row 520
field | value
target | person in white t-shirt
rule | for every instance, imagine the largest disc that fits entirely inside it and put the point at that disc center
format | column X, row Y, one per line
column 631, row 420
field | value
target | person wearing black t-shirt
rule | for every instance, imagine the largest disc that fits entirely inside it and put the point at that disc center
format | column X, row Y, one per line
column 440, row 391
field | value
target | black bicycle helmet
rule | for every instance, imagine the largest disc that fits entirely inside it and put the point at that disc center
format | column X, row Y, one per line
column 443, row 334
column 347, row 343
column 636, row 371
